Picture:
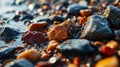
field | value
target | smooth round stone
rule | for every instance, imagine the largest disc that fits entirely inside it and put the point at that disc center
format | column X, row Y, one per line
column 5, row 52
column 19, row 63
column 75, row 47
column 74, row 9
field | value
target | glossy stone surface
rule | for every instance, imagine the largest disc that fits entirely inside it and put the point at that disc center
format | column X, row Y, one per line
column 20, row 63
column 74, row 9
column 75, row 47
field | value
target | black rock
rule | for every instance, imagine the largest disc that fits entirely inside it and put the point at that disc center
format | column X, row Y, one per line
column 75, row 47
column 7, row 33
column 19, row 63
column 74, row 9
column 112, row 14
column 96, row 28
column 57, row 18
column 5, row 52
column 16, row 17
column 27, row 16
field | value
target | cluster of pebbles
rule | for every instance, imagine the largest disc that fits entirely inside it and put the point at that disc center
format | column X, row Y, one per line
column 63, row 33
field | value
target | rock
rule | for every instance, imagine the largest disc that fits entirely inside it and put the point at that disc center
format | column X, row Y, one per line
column 7, row 33
column 34, row 37
column 96, row 28
column 5, row 52
column 37, row 26
column 52, row 45
column 112, row 14
column 27, row 16
column 74, row 9
column 59, row 32
column 57, row 18
column 16, row 17
column 75, row 47
column 19, row 63
column 31, row 54
column 113, row 62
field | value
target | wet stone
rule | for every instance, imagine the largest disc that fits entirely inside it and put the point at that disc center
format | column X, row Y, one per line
column 27, row 16
column 96, row 28
column 75, row 47
column 7, row 33
column 74, row 9
column 112, row 14
column 34, row 37
column 5, row 52
column 57, row 18
column 20, row 63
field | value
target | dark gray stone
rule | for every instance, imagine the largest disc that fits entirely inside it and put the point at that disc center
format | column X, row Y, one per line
column 112, row 14
column 75, row 47
column 96, row 28
column 20, row 63
column 74, row 9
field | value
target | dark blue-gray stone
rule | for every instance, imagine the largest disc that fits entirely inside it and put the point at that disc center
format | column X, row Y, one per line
column 75, row 47
column 112, row 14
column 74, row 9
column 20, row 63
column 96, row 28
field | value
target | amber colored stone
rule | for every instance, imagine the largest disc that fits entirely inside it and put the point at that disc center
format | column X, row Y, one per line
column 108, row 62
column 98, row 43
column 107, row 50
column 36, row 26
column 76, row 61
column 59, row 32
column 112, row 44
column 31, row 54
column 82, row 20
column 45, row 56
column 72, row 65
column 52, row 45
column 85, row 12
column 43, row 64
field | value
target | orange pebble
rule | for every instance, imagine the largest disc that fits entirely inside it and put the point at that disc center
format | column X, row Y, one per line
column 82, row 20
column 72, row 65
column 31, row 54
column 112, row 44
column 85, row 12
column 36, row 26
column 43, row 64
column 58, row 13
column 107, row 50
column 52, row 45
column 108, row 62
column 45, row 56
column 97, row 43
column 76, row 61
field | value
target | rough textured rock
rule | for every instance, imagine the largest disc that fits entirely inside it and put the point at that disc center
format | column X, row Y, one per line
column 59, row 32
column 34, row 37
column 96, row 28
column 7, row 33
column 75, row 47
column 112, row 13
